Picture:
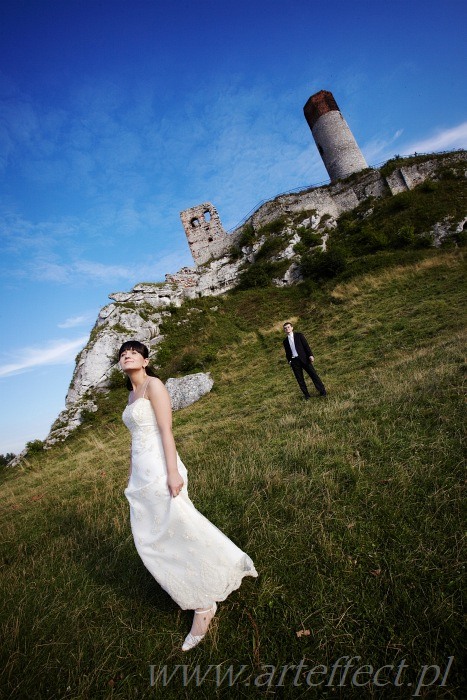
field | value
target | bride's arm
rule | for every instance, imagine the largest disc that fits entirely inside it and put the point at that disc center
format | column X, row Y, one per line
column 160, row 402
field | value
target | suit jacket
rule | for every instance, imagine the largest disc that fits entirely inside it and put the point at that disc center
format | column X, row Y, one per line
column 303, row 349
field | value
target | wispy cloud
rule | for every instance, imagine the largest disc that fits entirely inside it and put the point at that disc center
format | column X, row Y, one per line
column 75, row 321
column 87, row 271
column 243, row 144
column 56, row 352
column 138, row 167
column 378, row 149
column 54, row 250
column 20, row 236
column 442, row 140
column 99, row 271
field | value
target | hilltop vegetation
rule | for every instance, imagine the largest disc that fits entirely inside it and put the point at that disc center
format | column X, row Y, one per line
column 419, row 218
column 350, row 507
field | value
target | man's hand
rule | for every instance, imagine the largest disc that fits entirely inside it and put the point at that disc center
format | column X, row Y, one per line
column 312, row 359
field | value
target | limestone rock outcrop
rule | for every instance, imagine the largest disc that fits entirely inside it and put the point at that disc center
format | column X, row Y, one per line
column 140, row 312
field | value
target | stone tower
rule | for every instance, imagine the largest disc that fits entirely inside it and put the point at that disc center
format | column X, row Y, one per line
column 336, row 144
column 206, row 237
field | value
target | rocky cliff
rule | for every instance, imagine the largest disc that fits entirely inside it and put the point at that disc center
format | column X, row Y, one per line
column 139, row 312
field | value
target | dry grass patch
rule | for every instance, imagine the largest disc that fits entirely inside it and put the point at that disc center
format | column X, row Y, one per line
column 374, row 282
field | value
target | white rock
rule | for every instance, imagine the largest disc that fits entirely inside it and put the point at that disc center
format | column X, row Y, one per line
column 186, row 390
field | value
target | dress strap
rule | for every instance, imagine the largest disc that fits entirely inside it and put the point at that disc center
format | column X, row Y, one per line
column 145, row 388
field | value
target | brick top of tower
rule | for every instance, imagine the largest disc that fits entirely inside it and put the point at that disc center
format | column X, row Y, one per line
column 320, row 103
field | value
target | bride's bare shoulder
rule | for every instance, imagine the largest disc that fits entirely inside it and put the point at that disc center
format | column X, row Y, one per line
column 155, row 385
column 159, row 398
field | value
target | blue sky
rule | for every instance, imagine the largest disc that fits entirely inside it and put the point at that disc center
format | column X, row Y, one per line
column 115, row 115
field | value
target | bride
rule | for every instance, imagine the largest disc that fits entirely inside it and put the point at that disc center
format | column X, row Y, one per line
column 187, row 555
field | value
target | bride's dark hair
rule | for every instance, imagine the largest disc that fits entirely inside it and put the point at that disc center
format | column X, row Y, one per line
column 142, row 349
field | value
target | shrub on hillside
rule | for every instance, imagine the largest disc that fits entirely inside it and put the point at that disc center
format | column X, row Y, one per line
column 451, row 173
column 256, row 275
column 369, row 239
column 189, row 361
column 261, row 274
column 88, row 416
column 428, row 186
column 300, row 248
column 247, row 236
column 460, row 238
column 273, row 227
column 308, row 240
column 116, row 379
column 35, row 447
column 398, row 202
column 271, row 246
column 404, row 237
column 324, row 265
column 246, row 239
column 311, row 239
column 300, row 216
column 404, row 221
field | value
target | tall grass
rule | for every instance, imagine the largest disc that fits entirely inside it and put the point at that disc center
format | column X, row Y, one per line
column 349, row 506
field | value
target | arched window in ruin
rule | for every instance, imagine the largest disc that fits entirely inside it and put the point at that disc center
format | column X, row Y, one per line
column 207, row 215
column 194, row 222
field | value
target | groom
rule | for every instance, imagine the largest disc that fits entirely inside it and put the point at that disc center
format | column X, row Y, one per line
column 301, row 358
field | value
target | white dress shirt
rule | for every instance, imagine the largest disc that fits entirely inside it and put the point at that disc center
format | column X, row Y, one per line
column 292, row 345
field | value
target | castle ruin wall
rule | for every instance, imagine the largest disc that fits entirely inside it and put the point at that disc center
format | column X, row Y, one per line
column 206, row 236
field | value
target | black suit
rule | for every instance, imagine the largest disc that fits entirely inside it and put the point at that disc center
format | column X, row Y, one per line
column 302, row 362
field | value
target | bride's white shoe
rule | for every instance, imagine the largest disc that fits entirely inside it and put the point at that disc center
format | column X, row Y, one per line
column 192, row 640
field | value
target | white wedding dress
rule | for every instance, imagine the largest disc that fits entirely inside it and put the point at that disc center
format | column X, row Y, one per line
column 187, row 555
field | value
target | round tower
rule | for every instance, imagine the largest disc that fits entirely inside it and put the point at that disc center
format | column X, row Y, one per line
column 336, row 144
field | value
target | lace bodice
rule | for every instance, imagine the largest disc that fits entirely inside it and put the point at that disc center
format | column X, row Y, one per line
column 140, row 420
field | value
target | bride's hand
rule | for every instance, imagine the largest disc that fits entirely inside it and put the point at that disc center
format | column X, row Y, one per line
column 175, row 484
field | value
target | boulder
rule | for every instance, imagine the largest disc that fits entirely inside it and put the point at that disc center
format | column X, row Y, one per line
column 186, row 390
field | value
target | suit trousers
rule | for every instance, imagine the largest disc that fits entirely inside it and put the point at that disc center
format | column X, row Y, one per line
column 298, row 366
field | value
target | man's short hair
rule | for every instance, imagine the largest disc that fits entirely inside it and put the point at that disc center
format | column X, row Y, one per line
column 287, row 323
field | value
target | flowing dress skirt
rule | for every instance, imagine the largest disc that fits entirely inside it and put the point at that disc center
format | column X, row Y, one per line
column 188, row 556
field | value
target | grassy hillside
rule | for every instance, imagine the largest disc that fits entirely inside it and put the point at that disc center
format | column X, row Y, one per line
column 349, row 506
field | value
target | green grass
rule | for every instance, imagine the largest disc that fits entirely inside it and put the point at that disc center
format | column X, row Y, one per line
column 404, row 220
column 401, row 162
column 349, row 506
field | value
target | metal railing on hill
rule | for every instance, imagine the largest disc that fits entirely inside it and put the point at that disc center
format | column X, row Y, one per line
column 328, row 182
